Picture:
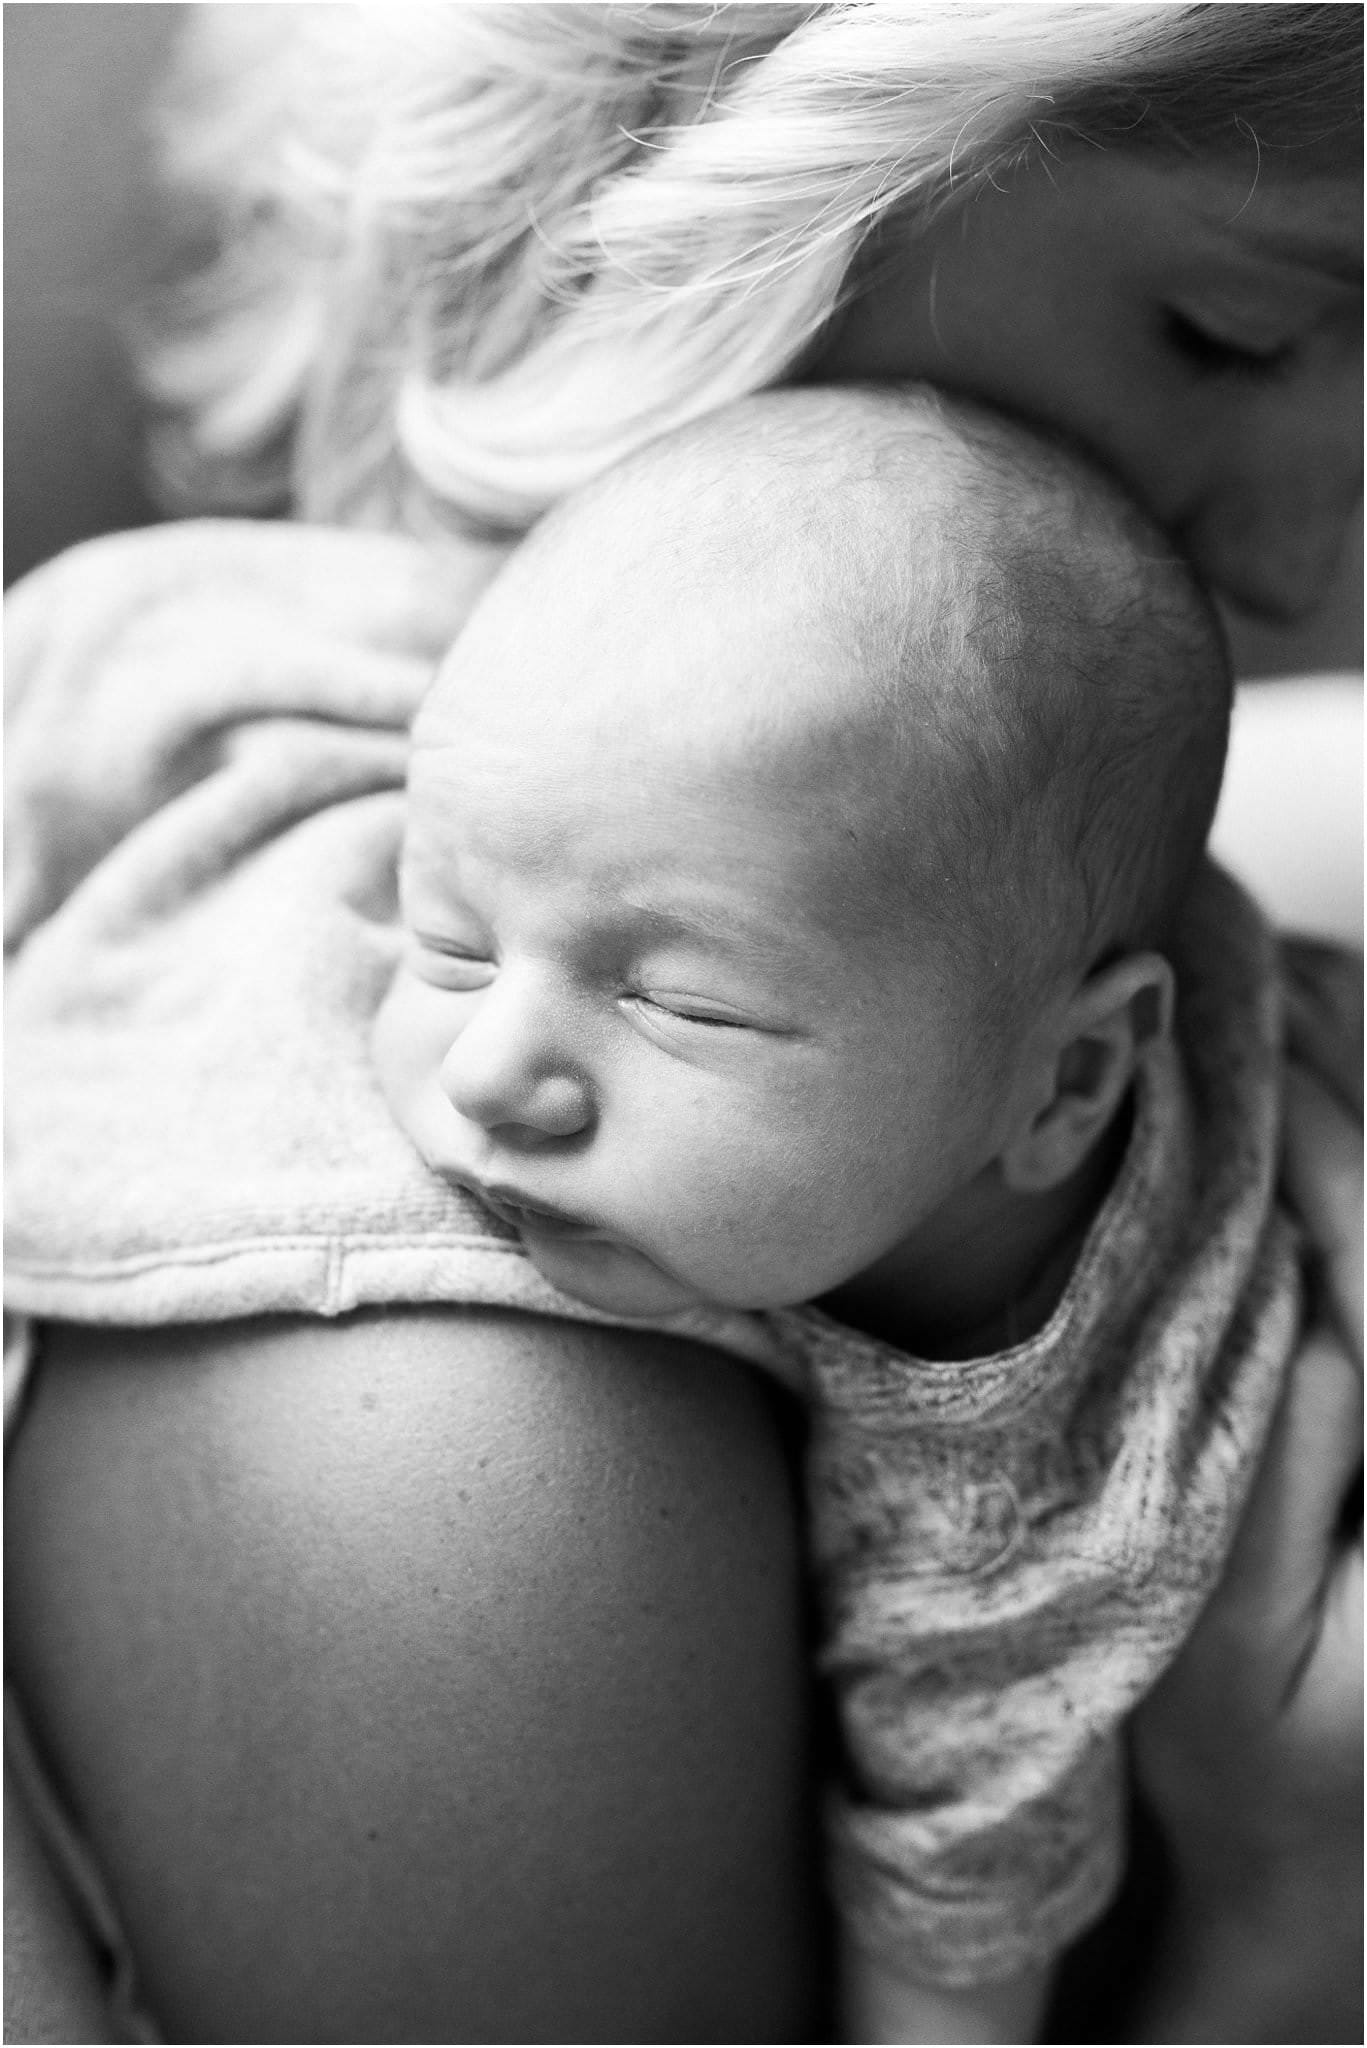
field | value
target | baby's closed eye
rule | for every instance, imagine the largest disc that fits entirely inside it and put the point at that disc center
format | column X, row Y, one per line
column 446, row 963
column 690, row 1009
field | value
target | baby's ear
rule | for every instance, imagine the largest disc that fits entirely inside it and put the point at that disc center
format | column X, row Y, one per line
column 1091, row 1061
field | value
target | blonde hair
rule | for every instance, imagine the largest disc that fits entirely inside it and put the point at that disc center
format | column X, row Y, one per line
column 464, row 257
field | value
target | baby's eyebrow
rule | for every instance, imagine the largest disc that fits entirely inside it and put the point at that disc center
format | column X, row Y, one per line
column 714, row 922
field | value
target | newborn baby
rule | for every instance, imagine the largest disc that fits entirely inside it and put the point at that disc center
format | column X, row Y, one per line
column 804, row 850
column 791, row 832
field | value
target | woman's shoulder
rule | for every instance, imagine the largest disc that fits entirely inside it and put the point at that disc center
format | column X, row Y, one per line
column 429, row 1394
column 499, row 1602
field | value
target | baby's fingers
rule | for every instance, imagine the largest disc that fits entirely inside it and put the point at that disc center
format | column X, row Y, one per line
column 1324, row 996
column 1322, row 1175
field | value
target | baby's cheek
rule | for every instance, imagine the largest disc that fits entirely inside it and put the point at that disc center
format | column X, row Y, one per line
column 812, row 1204
column 758, row 1205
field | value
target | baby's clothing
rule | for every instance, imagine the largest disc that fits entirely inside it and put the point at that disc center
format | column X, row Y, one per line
column 207, row 742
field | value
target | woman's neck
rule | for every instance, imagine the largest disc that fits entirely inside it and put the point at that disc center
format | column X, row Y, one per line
column 988, row 1269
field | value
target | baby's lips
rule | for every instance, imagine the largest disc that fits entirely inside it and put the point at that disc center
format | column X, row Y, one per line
column 537, row 1219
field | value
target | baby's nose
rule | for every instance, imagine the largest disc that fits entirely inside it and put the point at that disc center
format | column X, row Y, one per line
column 504, row 1072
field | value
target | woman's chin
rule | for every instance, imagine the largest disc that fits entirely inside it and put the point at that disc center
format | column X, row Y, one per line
column 613, row 1278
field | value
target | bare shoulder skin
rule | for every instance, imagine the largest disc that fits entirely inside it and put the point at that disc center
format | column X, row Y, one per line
column 426, row 1676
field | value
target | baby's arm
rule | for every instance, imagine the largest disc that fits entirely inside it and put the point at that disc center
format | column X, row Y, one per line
column 878, row 2004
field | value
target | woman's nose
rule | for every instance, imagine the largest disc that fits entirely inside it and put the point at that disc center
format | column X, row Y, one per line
column 1270, row 528
column 505, row 1070
column 1276, row 559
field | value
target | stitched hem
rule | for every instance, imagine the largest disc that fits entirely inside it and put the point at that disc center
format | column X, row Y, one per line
column 334, row 1274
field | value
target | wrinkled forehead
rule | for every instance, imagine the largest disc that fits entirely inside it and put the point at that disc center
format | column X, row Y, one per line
column 676, row 765
column 789, row 882
column 804, row 827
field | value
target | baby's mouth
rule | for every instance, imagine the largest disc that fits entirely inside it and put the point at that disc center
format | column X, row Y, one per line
column 535, row 1218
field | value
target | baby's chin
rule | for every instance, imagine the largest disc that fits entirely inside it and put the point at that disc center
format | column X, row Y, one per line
column 610, row 1277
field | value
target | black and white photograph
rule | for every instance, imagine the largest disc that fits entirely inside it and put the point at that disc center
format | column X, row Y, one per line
column 683, row 1058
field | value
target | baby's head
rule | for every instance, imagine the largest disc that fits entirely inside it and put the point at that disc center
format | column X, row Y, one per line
column 793, row 833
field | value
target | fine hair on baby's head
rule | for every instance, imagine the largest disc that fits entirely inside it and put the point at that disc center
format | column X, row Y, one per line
column 1019, row 681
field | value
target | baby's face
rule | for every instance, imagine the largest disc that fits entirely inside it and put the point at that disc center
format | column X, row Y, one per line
column 649, row 1011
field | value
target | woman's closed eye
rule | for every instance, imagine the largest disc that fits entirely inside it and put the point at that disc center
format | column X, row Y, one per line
column 1210, row 352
